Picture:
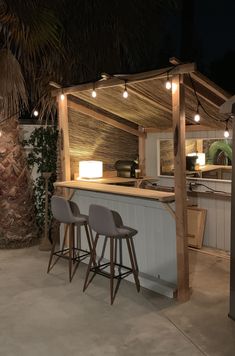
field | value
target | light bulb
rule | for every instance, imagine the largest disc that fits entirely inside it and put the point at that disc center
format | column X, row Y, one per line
column 93, row 94
column 226, row 133
column 168, row 85
column 125, row 94
column 62, row 97
column 35, row 113
column 197, row 117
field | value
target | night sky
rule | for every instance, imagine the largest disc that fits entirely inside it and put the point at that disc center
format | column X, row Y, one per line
column 206, row 35
column 215, row 26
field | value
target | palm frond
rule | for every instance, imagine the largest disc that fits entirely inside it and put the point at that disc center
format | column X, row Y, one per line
column 12, row 85
column 30, row 28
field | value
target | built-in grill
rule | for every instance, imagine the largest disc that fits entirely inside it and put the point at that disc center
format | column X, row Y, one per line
column 126, row 169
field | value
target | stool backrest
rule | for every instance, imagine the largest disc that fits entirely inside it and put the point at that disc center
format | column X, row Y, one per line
column 61, row 209
column 101, row 220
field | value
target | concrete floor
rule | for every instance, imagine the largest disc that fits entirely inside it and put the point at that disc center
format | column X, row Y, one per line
column 44, row 314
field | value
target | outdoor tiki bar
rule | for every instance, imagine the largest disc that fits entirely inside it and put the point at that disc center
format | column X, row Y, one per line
column 131, row 145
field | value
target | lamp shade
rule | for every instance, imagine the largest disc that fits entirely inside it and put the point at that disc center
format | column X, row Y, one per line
column 90, row 169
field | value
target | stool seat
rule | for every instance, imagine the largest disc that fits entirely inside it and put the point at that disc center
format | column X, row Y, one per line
column 109, row 224
column 125, row 231
column 68, row 213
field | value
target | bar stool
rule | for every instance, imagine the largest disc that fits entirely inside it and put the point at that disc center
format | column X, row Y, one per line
column 67, row 212
column 109, row 224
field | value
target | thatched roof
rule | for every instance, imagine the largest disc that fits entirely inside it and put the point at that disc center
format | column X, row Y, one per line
column 149, row 104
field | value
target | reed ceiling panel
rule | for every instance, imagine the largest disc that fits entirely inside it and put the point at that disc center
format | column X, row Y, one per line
column 91, row 139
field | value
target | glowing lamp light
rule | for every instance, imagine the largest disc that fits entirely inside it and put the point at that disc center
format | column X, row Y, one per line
column 62, row 97
column 125, row 94
column 90, row 169
column 226, row 133
column 197, row 117
column 35, row 113
column 168, row 85
column 201, row 158
column 93, row 94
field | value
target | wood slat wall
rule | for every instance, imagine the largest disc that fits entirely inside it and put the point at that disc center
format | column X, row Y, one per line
column 91, row 139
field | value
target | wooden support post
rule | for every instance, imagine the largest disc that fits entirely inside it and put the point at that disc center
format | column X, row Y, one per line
column 178, row 106
column 141, row 151
column 232, row 260
column 64, row 138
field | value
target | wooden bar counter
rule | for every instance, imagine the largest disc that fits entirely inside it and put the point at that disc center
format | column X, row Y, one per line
column 145, row 210
column 110, row 185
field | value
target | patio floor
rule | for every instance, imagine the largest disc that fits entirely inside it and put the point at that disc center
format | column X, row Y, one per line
column 44, row 314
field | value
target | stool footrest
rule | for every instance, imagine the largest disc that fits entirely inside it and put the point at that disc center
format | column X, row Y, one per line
column 100, row 270
column 63, row 254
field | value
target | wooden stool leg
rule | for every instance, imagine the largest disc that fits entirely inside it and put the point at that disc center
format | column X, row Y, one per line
column 71, row 237
column 88, row 237
column 134, row 254
column 111, row 269
column 92, row 258
column 52, row 253
column 103, row 251
column 135, row 272
column 65, row 235
column 90, row 242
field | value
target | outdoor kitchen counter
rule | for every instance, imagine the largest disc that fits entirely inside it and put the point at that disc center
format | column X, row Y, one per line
column 108, row 186
column 147, row 211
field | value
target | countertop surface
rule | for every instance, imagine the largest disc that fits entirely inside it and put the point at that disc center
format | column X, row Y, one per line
column 107, row 185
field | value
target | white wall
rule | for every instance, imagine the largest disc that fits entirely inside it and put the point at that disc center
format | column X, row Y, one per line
column 217, row 230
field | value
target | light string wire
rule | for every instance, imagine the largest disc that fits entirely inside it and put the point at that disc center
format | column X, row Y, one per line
column 199, row 103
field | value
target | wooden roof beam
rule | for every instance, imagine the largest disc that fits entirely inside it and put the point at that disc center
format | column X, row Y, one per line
column 103, row 117
column 118, row 79
column 204, row 81
column 189, row 128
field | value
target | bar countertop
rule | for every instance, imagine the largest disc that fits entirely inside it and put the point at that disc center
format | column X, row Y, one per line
column 107, row 185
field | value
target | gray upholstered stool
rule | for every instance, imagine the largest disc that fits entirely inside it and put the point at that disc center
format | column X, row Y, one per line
column 68, row 212
column 109, row 224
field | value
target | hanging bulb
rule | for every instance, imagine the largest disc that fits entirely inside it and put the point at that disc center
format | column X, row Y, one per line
column 168, row 83
column 125, row 92
column 35, row 113
column 197, row 116
column 62, row 97
column 93, row 94
column 226, row 131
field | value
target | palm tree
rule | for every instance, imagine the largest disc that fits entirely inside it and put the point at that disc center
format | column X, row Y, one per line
column 28, row 39
column 99, row 35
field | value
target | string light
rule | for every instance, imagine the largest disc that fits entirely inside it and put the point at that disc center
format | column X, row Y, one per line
column 168, row 82
column 226, row 131
column 35, row 113
column 62, row 97
column 197, row 117
column 125, row 92
column 94, row 94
